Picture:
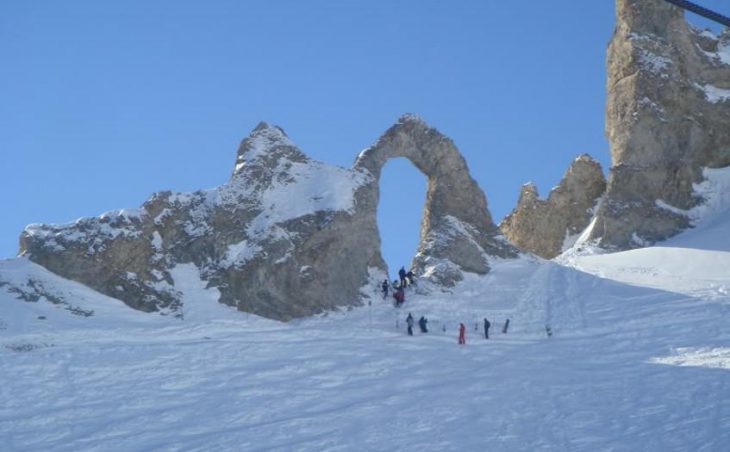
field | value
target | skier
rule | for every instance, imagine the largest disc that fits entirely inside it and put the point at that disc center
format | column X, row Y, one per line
column 411, row 277
column 402, row 276
column 548, row 330
column 422, row 323
column 409, row 322
column 506, row 325
column 385, row 287
column 462, row 333
column 486, row 328
column 400, row 297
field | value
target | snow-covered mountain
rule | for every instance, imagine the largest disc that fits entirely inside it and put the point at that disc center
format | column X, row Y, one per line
column 638, row 359
column 593, row 350
column 285, row 237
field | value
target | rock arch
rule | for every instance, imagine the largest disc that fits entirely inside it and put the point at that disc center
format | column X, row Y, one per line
column 457, row 232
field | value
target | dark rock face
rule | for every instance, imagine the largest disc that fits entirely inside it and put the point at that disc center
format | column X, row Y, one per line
column 548, row 227
column 285, row 237
column 667, row 117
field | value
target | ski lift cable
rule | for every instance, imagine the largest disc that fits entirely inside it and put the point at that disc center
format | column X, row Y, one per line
column 702, row 11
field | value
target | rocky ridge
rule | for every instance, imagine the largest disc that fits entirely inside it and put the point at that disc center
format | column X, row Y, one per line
column 285, row 237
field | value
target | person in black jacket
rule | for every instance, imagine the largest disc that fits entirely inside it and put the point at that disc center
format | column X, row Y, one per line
column 402, row 276
column 486, row 328
column 385, row 286
column 422, row 322
column 409, row 322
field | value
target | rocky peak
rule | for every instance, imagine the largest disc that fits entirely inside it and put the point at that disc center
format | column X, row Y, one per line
column 548, row 227
column 528, row 194
column 413, row 119
column 647, row 17
column 667, row 117
column 584, row 177
column 266, row 145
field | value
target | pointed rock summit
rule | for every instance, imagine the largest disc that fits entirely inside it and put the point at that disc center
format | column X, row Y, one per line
column 266, row 145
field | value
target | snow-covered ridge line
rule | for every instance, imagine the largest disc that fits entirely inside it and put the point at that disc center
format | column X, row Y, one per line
column 299, row 189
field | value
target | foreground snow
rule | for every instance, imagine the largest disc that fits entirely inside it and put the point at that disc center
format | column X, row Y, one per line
column 638, row 360
column 628, row 368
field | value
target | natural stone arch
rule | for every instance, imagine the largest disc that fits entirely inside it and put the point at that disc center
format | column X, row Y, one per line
column 457, row 232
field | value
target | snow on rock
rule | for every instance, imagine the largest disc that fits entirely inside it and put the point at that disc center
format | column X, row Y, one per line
column 723, row 52
column 714, row 94
column 309, row 188
column 714, row 190
column 263, row 138
column 240, row 253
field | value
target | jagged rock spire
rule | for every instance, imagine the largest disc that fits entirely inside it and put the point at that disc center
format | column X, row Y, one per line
column 545, row 226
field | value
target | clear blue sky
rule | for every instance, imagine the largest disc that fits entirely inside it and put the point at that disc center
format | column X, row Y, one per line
column 104, row 103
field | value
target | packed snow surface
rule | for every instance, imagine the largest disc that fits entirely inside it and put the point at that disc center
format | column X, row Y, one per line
column 638, row 359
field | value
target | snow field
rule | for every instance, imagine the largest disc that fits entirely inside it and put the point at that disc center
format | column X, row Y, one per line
column 628, row 368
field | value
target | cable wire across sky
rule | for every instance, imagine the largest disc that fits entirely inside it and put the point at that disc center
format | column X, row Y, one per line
column 702, row 11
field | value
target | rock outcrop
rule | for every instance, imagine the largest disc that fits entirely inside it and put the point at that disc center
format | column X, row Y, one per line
column 270, row 240
column 457, row 232
column 547, row 227
column 667, row 117
column 285, row 237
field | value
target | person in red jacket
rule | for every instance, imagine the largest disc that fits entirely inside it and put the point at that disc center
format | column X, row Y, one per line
column 462, row 332
column 400, row 297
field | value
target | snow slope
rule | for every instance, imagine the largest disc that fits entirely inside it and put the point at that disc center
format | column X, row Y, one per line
column 639, row 359
column 694, row 263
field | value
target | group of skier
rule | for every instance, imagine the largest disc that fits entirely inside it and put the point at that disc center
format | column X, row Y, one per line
column 422, row 323
column 406, row 278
